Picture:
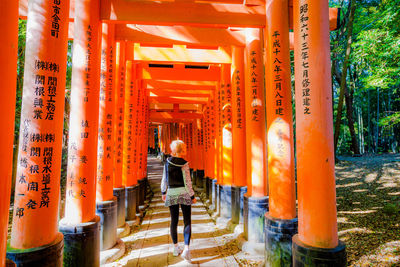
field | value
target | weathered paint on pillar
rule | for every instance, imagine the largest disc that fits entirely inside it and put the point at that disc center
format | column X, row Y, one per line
column 226, row 99
column 105, row 153
column 238, row 117
column 279, row 113
column 82, row 152
column 255, row 115
column 8, row 73
column 119, row 85
column 314, row 128
column 37, row 191
column 128, row 178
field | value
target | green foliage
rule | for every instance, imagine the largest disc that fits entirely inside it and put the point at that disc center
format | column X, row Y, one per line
column 373, row 77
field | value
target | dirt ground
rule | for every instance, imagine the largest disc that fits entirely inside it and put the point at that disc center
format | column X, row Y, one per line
column 368, row 201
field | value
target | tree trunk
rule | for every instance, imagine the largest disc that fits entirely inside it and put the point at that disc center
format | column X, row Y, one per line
column 344, row 72
column 370, row 140
column 377, row 123
column 350, row 120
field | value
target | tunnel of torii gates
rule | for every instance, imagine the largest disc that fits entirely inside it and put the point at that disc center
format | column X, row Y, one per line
column 215, row 74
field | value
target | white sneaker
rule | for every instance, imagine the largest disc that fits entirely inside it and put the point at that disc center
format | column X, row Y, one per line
column 186, row 255
column 177, row 251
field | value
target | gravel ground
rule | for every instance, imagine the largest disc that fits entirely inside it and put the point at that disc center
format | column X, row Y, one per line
column 368, row 199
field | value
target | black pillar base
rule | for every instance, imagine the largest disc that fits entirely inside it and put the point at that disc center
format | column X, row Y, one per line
column 278, row 241
column 107, row 211
column 81, row 243
column 131, row 202
column 246, row 216
column 194, row 177
column 141, row 183
column 304, row 255
column 210, row 189
column 199, row 178
column 218, row 201
column 205, row 184
column 119, row 193
column 237, row 203
column 214, row 193
column 254, row 217
column 137, row 198
column 226, row 201
column 147, row 189
column 46, row 256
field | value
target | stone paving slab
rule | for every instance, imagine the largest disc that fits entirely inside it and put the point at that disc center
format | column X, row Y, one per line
column 150, row 243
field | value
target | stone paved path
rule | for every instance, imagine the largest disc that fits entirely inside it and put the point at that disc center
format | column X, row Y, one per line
column 150, row 244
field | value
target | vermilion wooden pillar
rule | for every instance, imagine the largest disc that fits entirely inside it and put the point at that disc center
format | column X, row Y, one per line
column 142, row 144
column 226, row 99
column 119, row 89
column 105, row 154
column 212, row 140
column 80, row 218
column 281, row 222
column 206, row 148
column 256, row 200
column 129, row 179
column 238, row 134
column 227, row 159
column 8, row 55
column 129, row 111
column 199, row 153
column 37, row 190
column 218, row 149
column 137, row 130
column 106, row 203
column 314, row 138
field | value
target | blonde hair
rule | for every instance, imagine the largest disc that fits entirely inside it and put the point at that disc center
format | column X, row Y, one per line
column 177, row 147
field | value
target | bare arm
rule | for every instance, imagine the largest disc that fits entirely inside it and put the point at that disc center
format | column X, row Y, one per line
column 164, row 181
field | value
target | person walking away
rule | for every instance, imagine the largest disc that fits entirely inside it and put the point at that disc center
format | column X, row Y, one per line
column 176, row 189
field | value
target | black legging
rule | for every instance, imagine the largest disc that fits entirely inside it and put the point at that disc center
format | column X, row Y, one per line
column 187, row 232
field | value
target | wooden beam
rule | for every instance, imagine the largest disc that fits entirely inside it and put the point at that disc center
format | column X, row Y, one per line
column 179, row 72
column 175, row 115
column 195, row 107
column 180, row 85
column 180, row 53
column 168, row 93
column 161, row 106
column 163, row 120
column 182, row 13
column 177, row 100
column 179, row 35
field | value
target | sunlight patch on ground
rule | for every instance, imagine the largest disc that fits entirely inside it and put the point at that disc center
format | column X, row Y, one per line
column 386, row 255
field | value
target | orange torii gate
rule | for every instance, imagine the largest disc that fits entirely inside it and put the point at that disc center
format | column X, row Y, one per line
column 187, row 17
column 8, row 55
